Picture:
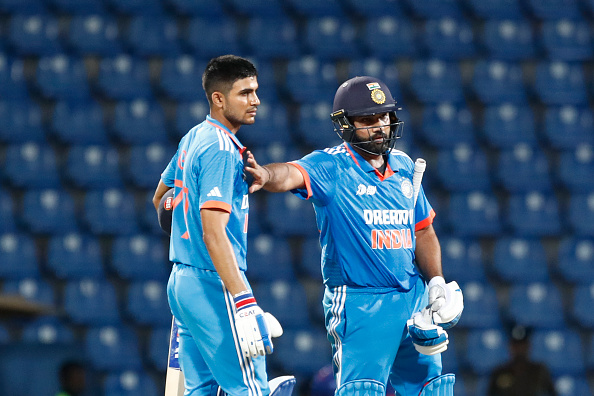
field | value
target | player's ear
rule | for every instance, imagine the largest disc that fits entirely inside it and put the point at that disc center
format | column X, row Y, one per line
column 218, row 99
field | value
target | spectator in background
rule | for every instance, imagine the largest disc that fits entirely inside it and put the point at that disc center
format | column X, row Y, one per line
column 73, row 379
column 521, row 376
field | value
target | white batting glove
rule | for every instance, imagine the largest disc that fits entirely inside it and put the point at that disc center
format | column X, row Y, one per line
column 446, row 302
column 254, row 327
column 427, row 338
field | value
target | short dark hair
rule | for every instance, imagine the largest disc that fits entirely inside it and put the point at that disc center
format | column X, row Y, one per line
column 222, row 72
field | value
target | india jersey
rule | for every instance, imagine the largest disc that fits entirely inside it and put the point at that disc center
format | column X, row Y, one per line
column 366, row 220
column 207, row 172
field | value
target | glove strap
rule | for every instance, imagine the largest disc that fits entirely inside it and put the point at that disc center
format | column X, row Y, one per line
column 244, row 300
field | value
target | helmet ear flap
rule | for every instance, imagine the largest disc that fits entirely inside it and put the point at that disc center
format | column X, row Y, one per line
column 342, row 125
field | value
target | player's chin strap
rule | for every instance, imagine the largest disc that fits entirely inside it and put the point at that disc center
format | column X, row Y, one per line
column 362, row 387
column 439, row 386
column 279, row 386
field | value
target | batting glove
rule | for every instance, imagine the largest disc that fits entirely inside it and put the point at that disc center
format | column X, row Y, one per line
column 445, row 302
column 255, row 328
column 427, row 338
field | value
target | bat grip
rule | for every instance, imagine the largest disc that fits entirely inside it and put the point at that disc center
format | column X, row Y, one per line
column 420, row 165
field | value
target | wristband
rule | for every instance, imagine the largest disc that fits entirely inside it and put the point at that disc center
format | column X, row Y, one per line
column 244, row 300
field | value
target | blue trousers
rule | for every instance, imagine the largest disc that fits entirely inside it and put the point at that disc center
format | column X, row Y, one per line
column 209, row 354
column 367, row 330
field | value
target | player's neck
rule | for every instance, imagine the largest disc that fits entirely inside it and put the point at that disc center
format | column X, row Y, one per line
column 378, row 161
column 218, row 115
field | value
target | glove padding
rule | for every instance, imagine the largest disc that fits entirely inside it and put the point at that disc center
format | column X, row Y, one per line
column 428, row 338
column 445, row 302
column 255, row 328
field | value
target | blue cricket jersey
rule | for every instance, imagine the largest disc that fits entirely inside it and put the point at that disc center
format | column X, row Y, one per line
column 367, row 220
column 207, row 172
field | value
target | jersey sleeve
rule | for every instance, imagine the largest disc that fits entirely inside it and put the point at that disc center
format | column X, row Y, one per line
column 168, row 175
column 319, row 172
column 424, row 212
column 216, row 179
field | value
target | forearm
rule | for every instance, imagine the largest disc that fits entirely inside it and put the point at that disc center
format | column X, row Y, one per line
column 283, row 177
column 428, row 253
column 162, row 188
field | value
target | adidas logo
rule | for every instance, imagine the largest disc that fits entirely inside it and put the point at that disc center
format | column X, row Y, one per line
column 214, row 193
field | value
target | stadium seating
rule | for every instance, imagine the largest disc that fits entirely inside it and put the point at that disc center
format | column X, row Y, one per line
column 179, row 77
column 79, row 123
column 139, row 121
column 580, row 214
column 446, row 125
column 147, row 162
column 495, row 81
column 561, row 350
column 272, row 127
column 298, row 215
column 91, row 302
column 507, row 124
column 503, row 9
column 110, row 211
column 311, row 80
column 449, row 38
column 18, row 254
column 315, row 126
column 520, row 260
column 188, row 115
column 222, row 32
column 12, row 78
column 486, row 349
column 568, row 385
column 553, row 9
column 536, row 305
column 381, row 28
column 273, row 36
column 434, row 8
column 508, row 39
column 583, row 298
column 565, row 127
column 7, row 211
column 25, row 7
column 567, row 39
column 533, row 214
column 436, row 81
column 269, row 258
column 93, row 166
column 474, row 214
column 62, row 77
column 48, row 330
column 522, row 168
column 34, row 34
column 481, row 308
column 139, row 257
column 77, row 6
column 94, row 34
column 276, row 296
column 49, row 211
column 574, row 260
column 158, row 347
column 130, row 383
column 330, row 37
column 559, row 83
column 315, row 8
column 153, row 35
column 112, row 348
column 74, row 256
column 462, row 259
column 123, row 77
column 575, row 169
column 146, row 303
column 463, row 168
column 35, row 290
column 256, row 8
column 30, row 165
column 136, row 7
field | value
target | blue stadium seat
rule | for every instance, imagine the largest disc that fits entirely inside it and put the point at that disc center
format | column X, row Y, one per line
column 91, row 302
column 302, row 352
column 49, row 211
column 315, row 8
column 18, row 255
column 485, row 350
column 574, row 260
column 308, row 80
column 13, row 84
column 377, row 67
column 576, row 168
column 394, row 29
column 24, row 7
column 136, row 7
column 110, row 211
column 5, row 337
column 62, row 77
column 565, row 127
column 509, row 39
column 79, row 123
column 112, row 348
column 124, row 77
column 446, row 125
column 192, row 8
column 188, row 115
column 559, row 83
column 523, row 168
column 7, row 212
column 147, row 162
column 502, row 9
column 462, row 259
column 474, row 214
column 463, row 168
column 568, row 385
column 553, row 9
column 580, row 214
column 566, row 39
column 289, row 215
column 330, row 38
column 271, row 37
column 139, row 257
column 561, row 350
column 130, row 383
column 536, row 305
column 21, row 121
column 139, row 121
column 153, row 35
column 257, row 8
column 507, row 124
column 435, row 81
column 34, row 34
column 93, row 166
column 520, row 260
column 315, row 127
column 179, row 76
column 276, row 296
column 32, row 289
column 533, row 214
column 481, row 308
column 148, row 217
column 434, row 8
column 580, row 309
column 495, row 81
column 272, row 126
column 449, row 38
column 75, row 7
column 158, row 347
column 222, row 32
column 146, row 303
column 269, row 258
column 31, row 165
column 310, row 258
column 74, row 256
column 373, row 8
column 48, row 330
column 94, row 34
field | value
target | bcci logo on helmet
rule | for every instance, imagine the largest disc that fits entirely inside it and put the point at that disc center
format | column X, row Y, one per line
column 378, row 96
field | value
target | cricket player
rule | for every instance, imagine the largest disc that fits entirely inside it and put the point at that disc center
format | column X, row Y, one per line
column 386, row 302
column 223, row 333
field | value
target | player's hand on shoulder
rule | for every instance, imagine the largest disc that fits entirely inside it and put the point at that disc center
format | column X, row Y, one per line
column 259, row 174
column 255, row 328
column 446, row 302
column 427, row 337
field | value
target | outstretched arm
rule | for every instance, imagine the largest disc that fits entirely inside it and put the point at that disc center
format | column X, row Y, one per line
column 278, row 177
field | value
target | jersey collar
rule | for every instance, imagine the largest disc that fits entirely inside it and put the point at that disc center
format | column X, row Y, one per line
column 232, row 136
column 366, row 166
